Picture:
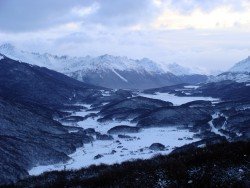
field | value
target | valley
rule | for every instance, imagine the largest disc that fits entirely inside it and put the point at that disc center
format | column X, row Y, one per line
column 124, row 94
column 129, row 146
column 68, row 125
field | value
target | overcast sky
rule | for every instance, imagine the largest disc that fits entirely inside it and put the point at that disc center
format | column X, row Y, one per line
column 209, row 34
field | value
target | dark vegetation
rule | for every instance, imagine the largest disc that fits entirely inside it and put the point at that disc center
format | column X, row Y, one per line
column 226, row 90
column 220, row 165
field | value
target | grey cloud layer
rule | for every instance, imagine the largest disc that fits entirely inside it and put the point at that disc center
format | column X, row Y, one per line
column 30, row 15
column 26, row 15
column 39, row 25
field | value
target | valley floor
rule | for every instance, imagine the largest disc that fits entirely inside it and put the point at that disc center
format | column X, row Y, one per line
column 123, row 149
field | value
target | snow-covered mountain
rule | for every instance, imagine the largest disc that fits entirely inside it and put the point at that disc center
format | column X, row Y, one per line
column 242, row 66
column 240, row 72
column 178, row 69
column 106, row 70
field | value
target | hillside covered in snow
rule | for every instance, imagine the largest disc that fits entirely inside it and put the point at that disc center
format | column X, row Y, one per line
column 240, row 72
column 107, row 70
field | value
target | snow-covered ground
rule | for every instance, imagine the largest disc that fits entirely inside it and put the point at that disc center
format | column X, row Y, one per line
column 125, row 149
column 176, row 100
column 191, row 87
column 213, row 128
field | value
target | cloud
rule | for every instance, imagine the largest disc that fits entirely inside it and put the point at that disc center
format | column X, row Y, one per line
column 206, row 15
column 211, row 34
column 28, row 15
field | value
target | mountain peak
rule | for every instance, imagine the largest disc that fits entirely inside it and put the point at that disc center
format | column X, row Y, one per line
column 7, row 47
column 178, row 69
column 242, row 66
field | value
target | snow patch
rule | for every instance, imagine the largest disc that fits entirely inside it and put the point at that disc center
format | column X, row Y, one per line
column 176, row 100
column 214, row 129
column 191, row 87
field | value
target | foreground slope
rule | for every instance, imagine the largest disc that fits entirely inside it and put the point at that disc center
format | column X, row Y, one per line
column 221, row 165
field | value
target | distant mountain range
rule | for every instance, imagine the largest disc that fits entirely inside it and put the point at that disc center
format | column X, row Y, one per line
column 240, row 72
column 109, row 71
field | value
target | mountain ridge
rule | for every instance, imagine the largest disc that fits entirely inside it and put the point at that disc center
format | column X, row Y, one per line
column 106, row 70
column 240, row 72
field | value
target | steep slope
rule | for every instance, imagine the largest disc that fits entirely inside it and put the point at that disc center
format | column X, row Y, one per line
column 242, row 66
column 218, row 165
column 108, row 71
column 27, row 83
column 121, row 72
column 30, row 97
column 28, row 139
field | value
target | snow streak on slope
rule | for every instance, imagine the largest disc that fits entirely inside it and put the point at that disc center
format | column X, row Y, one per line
column 124, row 79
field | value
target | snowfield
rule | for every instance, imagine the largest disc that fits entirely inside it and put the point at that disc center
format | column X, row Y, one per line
column 126, row 149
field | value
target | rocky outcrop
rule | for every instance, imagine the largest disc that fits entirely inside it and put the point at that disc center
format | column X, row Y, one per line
column 123, row 129
column 100, row 136
column 157, row 147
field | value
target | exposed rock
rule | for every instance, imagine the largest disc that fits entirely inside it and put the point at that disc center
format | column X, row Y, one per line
column 157, row 147
column 123, row 129
column 72, row 119
column 100, row 136
column 98, row 156
column 90, row 131
column 123, row 136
